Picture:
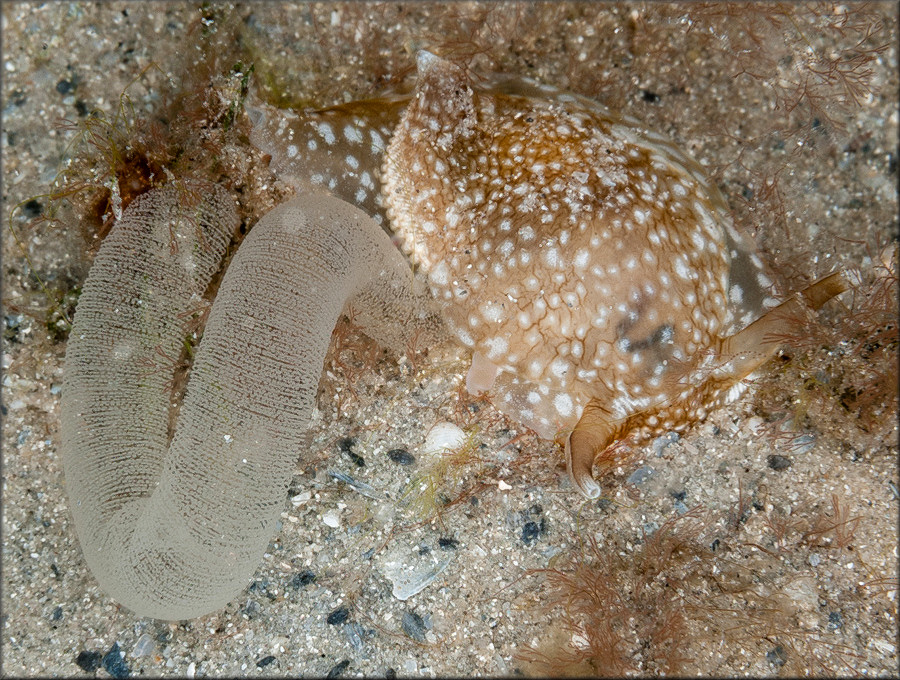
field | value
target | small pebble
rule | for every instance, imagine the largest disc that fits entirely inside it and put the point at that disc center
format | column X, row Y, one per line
column 641, row 475
column 530, row 532
column 366, row 490
column 338, row 669
column 777, row 656
column 332, row 518
column 835, row 620
column 408, row 571
column 260, row 586
column 57, row 614
column 265, row 661
column 894, row 490
column 777, row 462
column 11, row 334
column 803, row 443
column 88, row 661
column 114, row 664
column 355, row 633
column 339, row 615
column 32, row 209
column 144, row 646
column 413, row 625
column 303, row 578
column 660, row 443
column 883, row 646
column 346, row 445
column 401, row 456
column 300, row 498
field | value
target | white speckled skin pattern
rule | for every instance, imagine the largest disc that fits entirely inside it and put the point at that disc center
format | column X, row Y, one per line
column 586, row 261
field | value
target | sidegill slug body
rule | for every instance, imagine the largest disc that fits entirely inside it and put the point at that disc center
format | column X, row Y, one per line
column 584, row 258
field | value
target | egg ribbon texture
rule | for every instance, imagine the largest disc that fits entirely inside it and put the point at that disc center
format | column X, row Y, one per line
column 173, row 528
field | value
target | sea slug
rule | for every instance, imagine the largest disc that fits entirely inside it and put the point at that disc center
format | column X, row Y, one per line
column 584, row 259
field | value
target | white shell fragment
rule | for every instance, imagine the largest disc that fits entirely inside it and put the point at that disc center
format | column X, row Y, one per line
column 443, row 438
column 410, row 571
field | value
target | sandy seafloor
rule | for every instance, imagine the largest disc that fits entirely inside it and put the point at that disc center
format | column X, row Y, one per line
column 803, row 605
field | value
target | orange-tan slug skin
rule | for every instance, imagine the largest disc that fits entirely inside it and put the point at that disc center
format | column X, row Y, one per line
column 582, row 254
